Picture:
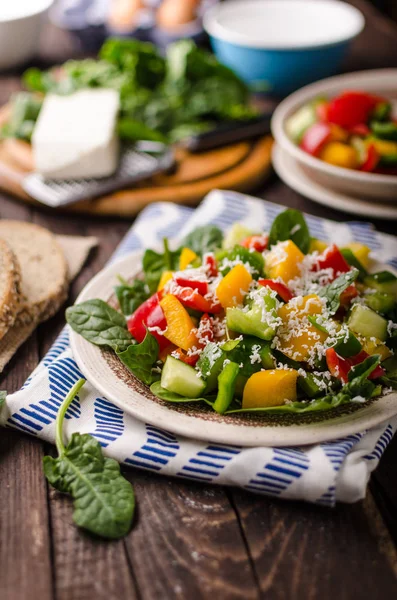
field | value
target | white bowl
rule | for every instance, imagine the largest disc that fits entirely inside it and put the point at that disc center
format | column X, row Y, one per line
column 20, row 24
column 354, row 183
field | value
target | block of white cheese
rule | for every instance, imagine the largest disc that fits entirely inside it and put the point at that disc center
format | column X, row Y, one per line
column 75, row 136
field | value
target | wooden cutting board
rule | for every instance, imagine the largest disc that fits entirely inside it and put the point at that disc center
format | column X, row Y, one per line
column 242, row 167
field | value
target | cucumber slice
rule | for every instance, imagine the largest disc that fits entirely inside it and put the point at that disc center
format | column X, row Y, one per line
column 380, row 302
column 249, row 323
column 300, row 121
column 366, row 322
column 236, row 234
column 181, row 379
column 384, row 281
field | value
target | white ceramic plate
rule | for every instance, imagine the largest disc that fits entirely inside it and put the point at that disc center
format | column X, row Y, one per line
column 111, row 378
column 290, row 171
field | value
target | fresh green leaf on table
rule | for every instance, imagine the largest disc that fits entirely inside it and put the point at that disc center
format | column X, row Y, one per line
column 104, row 501
column 332, row 292
column 141, row 359
column 290, row 225
column 130, row 296
column 100, row 324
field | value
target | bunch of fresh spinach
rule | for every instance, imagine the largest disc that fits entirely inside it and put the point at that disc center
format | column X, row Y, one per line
column 163, row 99
column 104, row 501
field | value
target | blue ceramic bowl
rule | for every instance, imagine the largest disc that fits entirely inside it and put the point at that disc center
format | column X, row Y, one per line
column 278, row 46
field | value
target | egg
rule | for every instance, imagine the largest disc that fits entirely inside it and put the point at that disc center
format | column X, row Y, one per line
column 174, row 13
column 124, row 14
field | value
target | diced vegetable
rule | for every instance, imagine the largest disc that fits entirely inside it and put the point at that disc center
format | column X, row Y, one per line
column 166, row 276
column 181, row 378
column 277, row 286
column 347, row 346
column 315, row 138
column 366, row 322
column 195, row 284
column 339, row 155
column 371, row 160
column 252, row 322
column 332, row 258
column 235, row 235
column 234, row 286
column 351, row 108
column 380, row 302
column 299, row 122
column 226, row 387
column 374, row 346
column 283, row 261
column 360, row 251
column 258, row 243
column 384, row 131
column 187, row 258
column 384, row 281
column 180, row 327
column 270, row 388
column 317, row 246
column 149, row 316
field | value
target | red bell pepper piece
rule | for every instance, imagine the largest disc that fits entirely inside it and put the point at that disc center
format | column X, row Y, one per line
column 348, row 294
column 360, row 129
column 282, row 290
column 332, row 258
column 256, row 242
column 200, row 286
column 315, row 138
column 193, row 299
column 372, row 159
column 351, row 108
column 211, row 265
column 206, row 329
column 146, row 316
column 340, row 367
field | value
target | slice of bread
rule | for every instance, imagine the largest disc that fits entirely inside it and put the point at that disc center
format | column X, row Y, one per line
column 10, row 288
column 44, row 270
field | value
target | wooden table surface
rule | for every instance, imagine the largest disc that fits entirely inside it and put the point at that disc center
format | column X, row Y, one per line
column 188, row 541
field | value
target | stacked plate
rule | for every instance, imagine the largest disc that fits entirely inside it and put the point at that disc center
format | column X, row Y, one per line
column 357, row 192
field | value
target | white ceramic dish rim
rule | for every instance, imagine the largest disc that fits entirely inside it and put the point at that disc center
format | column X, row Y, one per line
column 88, row 357
column 31, row 12
column 293, row 102
column 290, row 171
column 215, row 29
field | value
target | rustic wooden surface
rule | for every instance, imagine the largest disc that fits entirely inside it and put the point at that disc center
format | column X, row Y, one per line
column 189, row 541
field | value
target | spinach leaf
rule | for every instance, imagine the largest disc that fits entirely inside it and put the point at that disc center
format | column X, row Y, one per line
column 3, row 396
column 333, row 291
column 154, row 264
column 164, row 394
column 290, row 225
column 141, row 358
column 210, row 357
column 131, row 296
column 206, row 238
column 99, row 324
column 103, row 500
column 254, row 259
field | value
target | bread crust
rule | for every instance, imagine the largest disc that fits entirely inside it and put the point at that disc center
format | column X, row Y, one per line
column 11, row 296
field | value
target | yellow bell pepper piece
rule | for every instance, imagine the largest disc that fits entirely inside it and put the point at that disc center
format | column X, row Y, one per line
column 340, row 155
column 361, row 252
column 165, row 278
column 180, row 327
column 186, row 258
column 233, row 287
column 376, row 347
column 317, row 246
column 385, row 147
column 283, row 261
column 297, row 346
column 270, row 388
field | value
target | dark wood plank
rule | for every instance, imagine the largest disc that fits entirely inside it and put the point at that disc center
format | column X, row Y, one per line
column 384, row 488
column 186, row 543
column 306, row 552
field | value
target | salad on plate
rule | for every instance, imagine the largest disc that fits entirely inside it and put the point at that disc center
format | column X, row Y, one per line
column 275, row 322
column 354, row 130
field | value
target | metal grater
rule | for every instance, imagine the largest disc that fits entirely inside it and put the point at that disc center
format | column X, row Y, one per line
column 137, row 162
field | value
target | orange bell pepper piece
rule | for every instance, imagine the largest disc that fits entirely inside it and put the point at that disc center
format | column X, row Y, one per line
column 180, row 327
column 233, row 287
column 186, row 258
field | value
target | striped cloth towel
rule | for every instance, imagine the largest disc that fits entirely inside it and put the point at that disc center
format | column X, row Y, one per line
column 323, row 474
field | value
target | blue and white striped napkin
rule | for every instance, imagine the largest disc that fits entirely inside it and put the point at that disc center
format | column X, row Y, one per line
column 323, row 474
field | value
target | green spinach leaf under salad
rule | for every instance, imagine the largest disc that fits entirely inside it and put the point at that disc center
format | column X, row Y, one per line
column 276, row 322
column 161, row 98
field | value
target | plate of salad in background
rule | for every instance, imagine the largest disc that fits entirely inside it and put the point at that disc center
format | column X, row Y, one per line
column 246, row 338
column 342, row 132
